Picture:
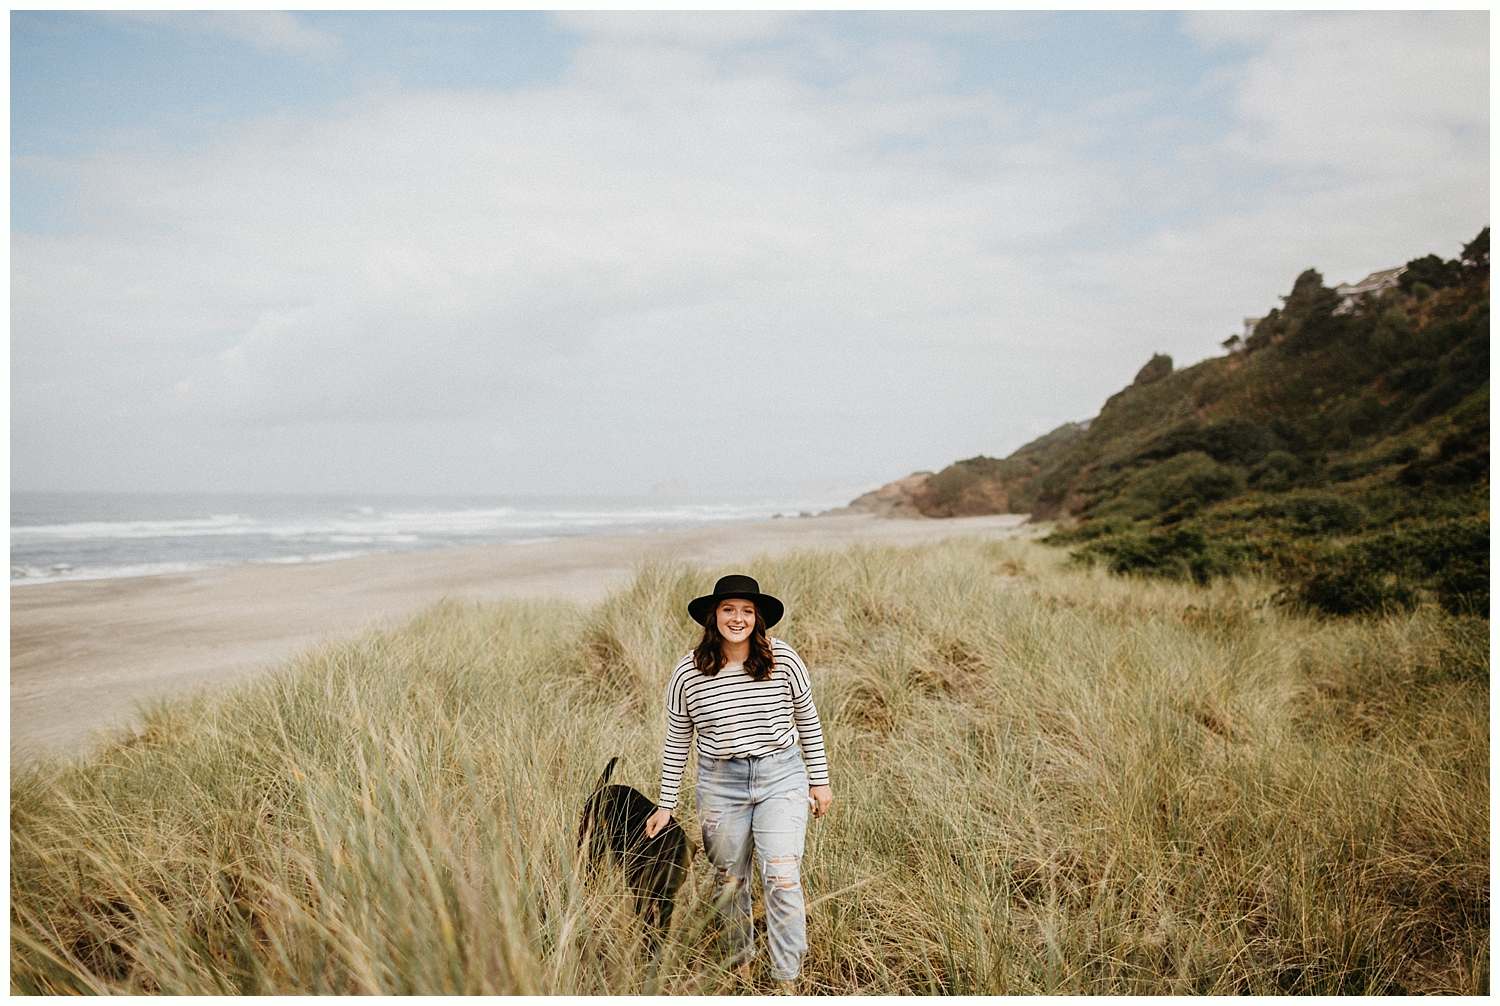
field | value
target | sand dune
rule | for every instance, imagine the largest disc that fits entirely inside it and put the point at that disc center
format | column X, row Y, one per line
column 85, row 654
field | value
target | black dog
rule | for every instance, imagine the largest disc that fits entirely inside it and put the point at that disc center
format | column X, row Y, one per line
column 614, row 826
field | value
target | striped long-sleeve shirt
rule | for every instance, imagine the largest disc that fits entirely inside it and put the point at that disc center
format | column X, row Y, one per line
column 736, row 716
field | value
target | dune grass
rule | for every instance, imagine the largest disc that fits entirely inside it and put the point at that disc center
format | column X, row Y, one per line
column 1047, row 779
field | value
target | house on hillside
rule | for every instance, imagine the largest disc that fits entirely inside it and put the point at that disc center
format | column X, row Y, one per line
column 1349, row 294
column 1373, row 283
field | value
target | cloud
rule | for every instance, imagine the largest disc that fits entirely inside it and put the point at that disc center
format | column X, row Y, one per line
column 883, row 276
column 454, row 242
column 1366, row 93
column 264, row 30
column 696, row 28
column 1374, row 128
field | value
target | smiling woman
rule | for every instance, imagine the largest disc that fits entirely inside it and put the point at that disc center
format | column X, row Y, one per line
column 749, row 699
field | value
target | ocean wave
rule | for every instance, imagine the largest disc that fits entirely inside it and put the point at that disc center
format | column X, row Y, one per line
column 85, row 530
column 22, row 576
column 25, row 576
column 287, row 531
column 394, row 528
column 293, row 560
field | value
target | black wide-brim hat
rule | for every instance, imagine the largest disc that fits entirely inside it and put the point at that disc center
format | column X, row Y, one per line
column 736, row 585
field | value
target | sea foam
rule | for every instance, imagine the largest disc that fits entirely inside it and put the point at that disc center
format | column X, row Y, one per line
column 118, row 535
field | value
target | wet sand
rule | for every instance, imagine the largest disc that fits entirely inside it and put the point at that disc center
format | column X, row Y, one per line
column 84, row 655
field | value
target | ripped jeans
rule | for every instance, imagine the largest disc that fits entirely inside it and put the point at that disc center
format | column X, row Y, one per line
column 759, row 805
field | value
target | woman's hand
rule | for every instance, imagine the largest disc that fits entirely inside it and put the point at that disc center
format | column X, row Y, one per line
column 822, row 798
column 656, row 822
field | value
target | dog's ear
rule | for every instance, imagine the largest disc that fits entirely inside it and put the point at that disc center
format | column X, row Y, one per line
column 604, row 776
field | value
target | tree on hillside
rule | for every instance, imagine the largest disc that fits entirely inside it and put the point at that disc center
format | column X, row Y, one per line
column 1159, row 366
column 1431, row 271
column 1308, row 314
column 1476, row 256
column 1266, row 330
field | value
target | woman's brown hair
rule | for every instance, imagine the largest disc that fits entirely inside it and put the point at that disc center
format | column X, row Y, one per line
column 708, row 656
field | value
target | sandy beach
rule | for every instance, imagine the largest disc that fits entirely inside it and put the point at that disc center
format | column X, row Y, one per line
column 85, row 655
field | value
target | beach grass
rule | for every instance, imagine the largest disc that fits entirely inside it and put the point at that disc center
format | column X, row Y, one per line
column 1047, row 779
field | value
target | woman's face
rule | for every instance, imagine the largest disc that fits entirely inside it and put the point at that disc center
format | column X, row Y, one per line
column 736, row 619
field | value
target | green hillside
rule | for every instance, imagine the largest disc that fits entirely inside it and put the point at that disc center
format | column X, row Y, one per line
column 995, row 485
column 1342, row 448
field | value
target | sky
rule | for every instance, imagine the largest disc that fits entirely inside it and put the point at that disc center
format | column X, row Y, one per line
column 569, row 252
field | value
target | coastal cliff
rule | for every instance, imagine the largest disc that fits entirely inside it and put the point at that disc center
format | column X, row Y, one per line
column 1342, row 446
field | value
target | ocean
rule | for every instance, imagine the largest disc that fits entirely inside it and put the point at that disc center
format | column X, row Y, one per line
column 91, row 536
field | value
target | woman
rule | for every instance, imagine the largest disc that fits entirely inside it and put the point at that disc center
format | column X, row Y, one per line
column 749, row 699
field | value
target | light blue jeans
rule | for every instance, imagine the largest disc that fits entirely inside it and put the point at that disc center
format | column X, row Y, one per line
column 758, row 805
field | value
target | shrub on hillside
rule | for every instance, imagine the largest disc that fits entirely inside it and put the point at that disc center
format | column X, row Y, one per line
column 1231, row 440
column 1462, row 458
column 1193, row 475
column 1452, row 558
column 1278, row 472
column 1362, row 465
column 1292, row 433
column 1350, row 587
column 1388, row 571
column 1180, row 486
column 1089, row 530
column 1442, row 337
column 1179, row 553
column 1314, row 514
column 1236, row 441
column 1358, row 417
column 1432, row 271
column 1392, row 336
column 1412, row 377
column 1159, row 366
column 1460, row 372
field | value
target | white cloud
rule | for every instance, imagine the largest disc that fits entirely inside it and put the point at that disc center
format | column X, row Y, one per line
column 1367, row 93
column 885, row 278
column 1376, row 126
column 450, row 241
column 265, row 30
column 698, row 28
